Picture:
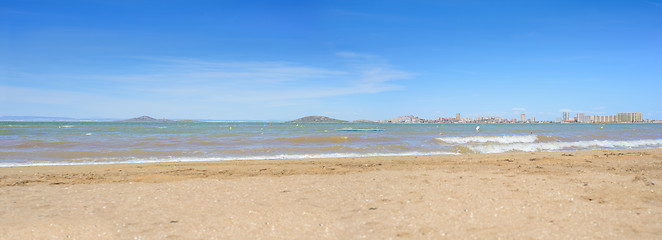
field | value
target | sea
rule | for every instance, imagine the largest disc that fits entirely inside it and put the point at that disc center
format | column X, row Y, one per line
column 82, row 143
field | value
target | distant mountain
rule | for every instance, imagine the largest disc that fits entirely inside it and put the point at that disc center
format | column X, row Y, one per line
column 317, row 119
column 146, row 119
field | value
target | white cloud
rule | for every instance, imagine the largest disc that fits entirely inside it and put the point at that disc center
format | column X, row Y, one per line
column 185, row 83
column 350, row 54
column 263, row 81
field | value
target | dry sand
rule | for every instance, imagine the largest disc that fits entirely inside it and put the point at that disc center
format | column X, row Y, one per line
column 609, row 194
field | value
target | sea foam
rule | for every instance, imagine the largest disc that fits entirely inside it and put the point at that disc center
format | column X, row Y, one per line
column 101, row 161
column 557, row 146
column 490, row 139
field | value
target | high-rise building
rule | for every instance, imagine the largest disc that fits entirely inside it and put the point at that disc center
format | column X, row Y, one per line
column 629, row 117
column 638, row 117
column 566, row 116
column 604, row 119
column 457, row 116
column 583, row 118
column 523, row 117
column 533, row 119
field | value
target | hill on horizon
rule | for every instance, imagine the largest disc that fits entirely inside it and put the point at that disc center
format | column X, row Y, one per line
column 317, row 119
column 146, row 119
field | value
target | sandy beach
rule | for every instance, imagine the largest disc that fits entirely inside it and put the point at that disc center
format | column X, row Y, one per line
column 603, row 194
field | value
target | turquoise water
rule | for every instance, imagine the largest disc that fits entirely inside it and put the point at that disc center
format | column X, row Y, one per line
column 52, row 143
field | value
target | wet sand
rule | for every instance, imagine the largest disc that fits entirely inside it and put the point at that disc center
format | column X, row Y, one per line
column 606, row 194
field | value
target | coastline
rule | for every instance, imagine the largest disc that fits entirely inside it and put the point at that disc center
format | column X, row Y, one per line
column 550, row 195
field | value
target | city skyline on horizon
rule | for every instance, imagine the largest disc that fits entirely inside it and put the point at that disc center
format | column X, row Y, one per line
column 458, row 116
column 234, row 60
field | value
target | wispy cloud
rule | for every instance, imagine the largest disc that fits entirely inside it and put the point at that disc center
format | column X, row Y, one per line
column 657, row 4
column 209, row 83
column 260, row 81
column 350, row 54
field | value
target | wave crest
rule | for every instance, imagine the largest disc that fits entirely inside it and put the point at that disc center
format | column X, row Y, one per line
column 490, row 139
column 556, row 146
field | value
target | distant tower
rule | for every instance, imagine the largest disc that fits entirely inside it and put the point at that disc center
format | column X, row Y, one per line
column 523, row 117
column 457, row 116
column 533, row 119
column 566, row 116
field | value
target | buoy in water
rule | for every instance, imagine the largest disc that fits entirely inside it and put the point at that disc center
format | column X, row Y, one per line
column 441, row 133
column 477, row 127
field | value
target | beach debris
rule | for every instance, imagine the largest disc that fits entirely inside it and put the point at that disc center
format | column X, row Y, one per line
column 644, row 180
column 372, row 208
column 174, row 221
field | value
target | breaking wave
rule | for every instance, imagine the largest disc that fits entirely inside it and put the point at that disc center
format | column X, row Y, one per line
column 99, row 161
column 490, row 139
column 560, row 146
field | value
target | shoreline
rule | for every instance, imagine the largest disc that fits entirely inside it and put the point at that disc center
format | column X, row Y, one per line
column 123, row 172
column 611, row 194
column 291, row 157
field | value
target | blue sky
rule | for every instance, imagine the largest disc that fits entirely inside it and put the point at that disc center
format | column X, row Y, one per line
column 280, row 60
